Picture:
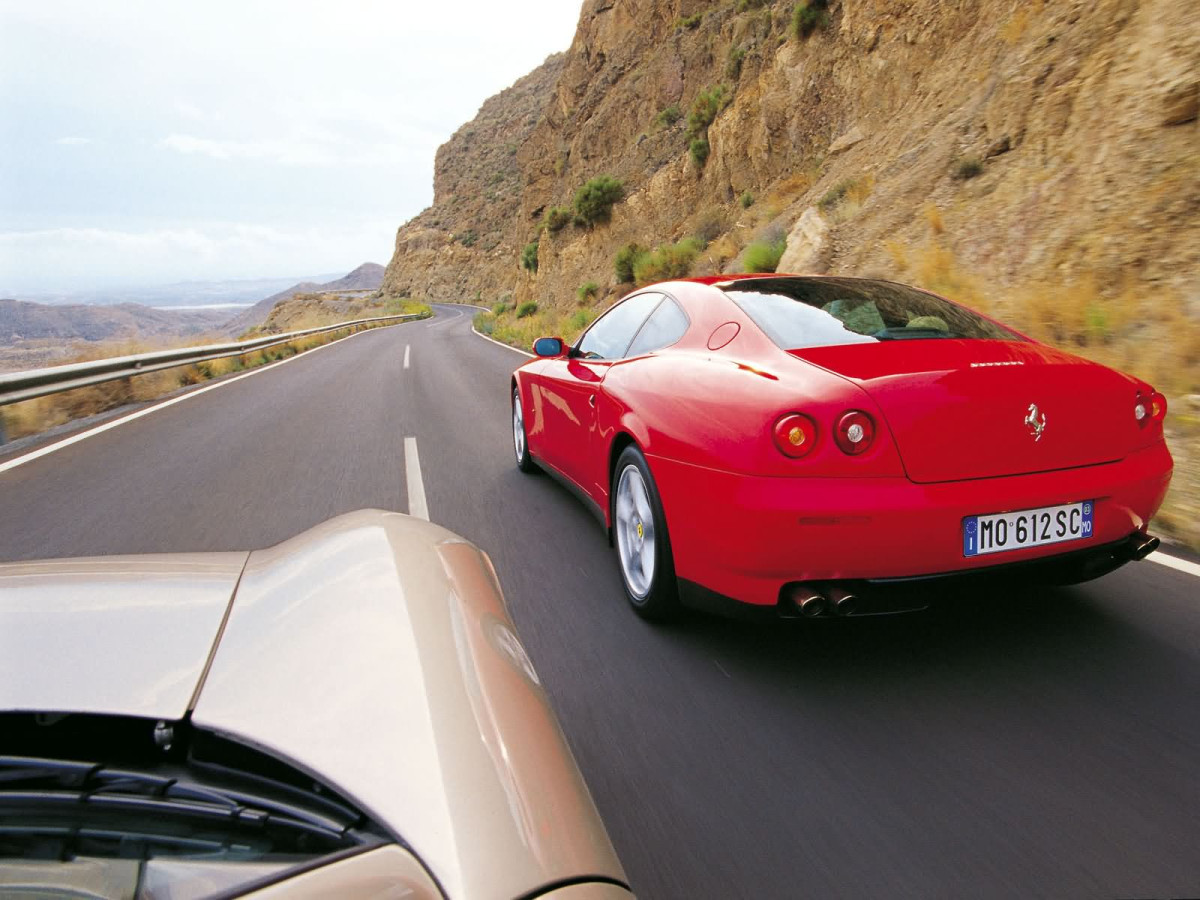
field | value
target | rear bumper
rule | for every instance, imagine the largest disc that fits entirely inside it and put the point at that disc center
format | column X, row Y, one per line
column 745, row 537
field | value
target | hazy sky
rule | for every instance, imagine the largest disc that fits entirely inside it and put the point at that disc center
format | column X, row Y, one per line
column 151, row 142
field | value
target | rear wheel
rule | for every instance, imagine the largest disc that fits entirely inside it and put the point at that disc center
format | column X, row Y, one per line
column 643, row 546
column 520, row 438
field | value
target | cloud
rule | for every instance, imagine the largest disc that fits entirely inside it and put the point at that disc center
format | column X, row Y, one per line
column 98, row 257
column 329, row 149
column 73, row 141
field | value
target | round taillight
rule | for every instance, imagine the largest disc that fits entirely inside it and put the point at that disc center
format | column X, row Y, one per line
column 1158, row 407
column 855, row 432
column 1152, row 408
column 795, row 435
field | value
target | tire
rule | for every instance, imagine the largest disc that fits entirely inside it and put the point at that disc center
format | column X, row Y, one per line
column 520, row 437
column 641, row 541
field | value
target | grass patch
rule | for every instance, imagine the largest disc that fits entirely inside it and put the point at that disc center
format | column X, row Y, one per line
column 529, row 257
column 763, row 256
column 747, row 200
column 528, row 308
column 587, row 292
column 699, row 150
column 689, row 22
column 667, row 262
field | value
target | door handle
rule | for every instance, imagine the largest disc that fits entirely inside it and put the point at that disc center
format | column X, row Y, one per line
column 592, row 400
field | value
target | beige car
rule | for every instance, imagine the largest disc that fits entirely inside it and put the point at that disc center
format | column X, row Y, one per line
column 347, row 714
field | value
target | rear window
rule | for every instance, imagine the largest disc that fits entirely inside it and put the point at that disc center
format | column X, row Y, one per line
column 823, row 312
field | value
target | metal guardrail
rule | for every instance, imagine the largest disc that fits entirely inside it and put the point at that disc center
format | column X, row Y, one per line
column 18, row 386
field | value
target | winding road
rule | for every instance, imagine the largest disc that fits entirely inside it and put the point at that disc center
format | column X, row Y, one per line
column 1043, row 745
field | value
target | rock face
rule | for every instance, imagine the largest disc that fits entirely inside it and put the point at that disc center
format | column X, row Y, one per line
column 1048, row 141
column 467, row 244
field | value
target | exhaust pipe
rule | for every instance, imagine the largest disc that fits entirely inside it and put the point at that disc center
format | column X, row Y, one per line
column 1142, row 545
column 844, row 603
column 804, row 600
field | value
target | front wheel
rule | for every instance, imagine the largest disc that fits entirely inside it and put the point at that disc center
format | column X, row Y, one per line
column 643, row 546
column 520, row 439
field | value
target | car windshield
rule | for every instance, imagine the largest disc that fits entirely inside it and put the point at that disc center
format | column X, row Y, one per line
column 107, row 806
column 822, row 312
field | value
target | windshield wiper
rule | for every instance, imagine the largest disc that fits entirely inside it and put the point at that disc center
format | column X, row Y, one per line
column 902, row 334
column 31, row 785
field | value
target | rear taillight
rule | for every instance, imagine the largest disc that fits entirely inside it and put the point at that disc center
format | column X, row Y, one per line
column 1150, row 408
column 795, row 435
column 854, row 433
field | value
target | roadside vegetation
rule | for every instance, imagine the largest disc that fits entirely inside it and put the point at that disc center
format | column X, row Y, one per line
column 43, row 413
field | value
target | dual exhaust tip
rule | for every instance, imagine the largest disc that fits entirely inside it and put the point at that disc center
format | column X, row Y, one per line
column 810, row 601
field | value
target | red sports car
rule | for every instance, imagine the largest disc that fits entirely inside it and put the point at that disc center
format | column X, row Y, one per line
column 801, row 443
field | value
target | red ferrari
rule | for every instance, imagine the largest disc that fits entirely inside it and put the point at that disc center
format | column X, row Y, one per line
column 801, row 443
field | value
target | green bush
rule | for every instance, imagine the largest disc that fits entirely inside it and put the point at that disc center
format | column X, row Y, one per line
column 808, row 16
column 467, row 238
column 668, row 116
column 557, row 218
column 690, row 22
column 733, row 63
column 529, row 257
column 763, row 256
column 699, row 149
column 528, row 308
column 587, row 291
column 625, row 259
column 705, row 107
column 594, row 201
column 747, row 200
column 500, row 308
column 967, row 167
column 665, row 263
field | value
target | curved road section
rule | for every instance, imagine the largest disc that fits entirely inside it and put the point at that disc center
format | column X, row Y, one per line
column 1044, row 745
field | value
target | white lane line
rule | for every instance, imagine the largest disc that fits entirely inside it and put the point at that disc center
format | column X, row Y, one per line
column 416, row 487
column 91, row 432
column 1174, row 562
column 498, row 344
column 447, row 321
column 407, row 347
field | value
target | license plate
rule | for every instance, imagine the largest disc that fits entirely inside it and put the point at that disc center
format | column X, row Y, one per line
column 1027, row 528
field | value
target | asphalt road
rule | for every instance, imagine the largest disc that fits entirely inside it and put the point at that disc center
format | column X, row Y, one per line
column 1044, row 745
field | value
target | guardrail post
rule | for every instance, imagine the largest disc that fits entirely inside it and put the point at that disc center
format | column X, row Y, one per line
column 3, row 433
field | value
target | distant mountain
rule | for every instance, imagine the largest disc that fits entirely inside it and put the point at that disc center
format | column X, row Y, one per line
column 179, row 294
column 367, row 277
column 33, row 335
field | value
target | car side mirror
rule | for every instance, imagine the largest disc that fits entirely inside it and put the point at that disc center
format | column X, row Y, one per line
column 549, row 346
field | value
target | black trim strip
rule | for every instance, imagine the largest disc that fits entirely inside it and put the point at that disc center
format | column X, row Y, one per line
column 593, row 507
column 571, row 882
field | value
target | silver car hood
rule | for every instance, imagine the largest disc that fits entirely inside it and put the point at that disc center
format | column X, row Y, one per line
column 120, row 635
column 373, row 651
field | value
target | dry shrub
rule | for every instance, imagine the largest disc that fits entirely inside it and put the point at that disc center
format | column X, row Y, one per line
column 789, row 189
column 723, row 249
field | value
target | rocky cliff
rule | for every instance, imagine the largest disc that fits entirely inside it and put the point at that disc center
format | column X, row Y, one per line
column 981, row 147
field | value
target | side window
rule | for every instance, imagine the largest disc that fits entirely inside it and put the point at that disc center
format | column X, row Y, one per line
column 611, row 333
column 665, row 326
